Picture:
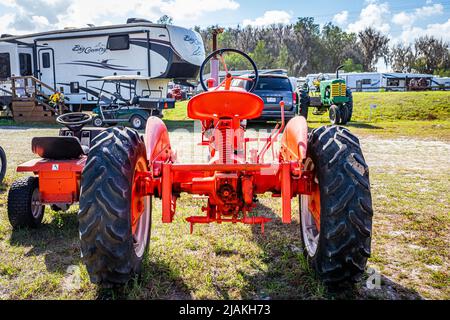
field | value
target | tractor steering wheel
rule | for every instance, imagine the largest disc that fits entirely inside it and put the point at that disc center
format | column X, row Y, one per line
column 74, row 121
column 219, row 53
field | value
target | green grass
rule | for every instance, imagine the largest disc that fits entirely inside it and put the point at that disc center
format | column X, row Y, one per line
column 398, row 114
column 410, row 191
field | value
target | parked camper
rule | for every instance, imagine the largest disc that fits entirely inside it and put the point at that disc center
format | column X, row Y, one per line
column 74, row 61
column 377, row 81
column 441, row 83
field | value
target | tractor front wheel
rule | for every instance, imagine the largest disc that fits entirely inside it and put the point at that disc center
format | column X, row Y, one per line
column 114, row 221
column 24, row 207
column 336, row 219
column 334, row 114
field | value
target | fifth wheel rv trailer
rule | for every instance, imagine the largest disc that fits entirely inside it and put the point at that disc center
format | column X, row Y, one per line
column 73, row 61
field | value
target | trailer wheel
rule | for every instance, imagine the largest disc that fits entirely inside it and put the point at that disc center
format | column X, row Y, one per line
column 334, row 114
column 137, row 122
column 114, row 222
column 304, row 103
column 97, row 121
column 336, row 220
column 24, row 209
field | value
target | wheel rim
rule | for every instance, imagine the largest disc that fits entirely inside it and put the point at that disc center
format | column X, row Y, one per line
column 333, row 115
column 310, row 215
column 140, row 214
column 98, row 122
column 137, row 122
column 36, row 207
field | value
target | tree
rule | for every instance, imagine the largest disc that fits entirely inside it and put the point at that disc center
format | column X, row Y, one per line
column 338, row 46
column 402, row 58
column 261, row 56
column 432, row 55
column 283, row 56
column 165, row 19
column 374, row 45
column 350, row 66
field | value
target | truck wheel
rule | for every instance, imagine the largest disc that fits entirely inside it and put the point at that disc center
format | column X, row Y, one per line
column 304, row 103
column 114, row 222
column 97, row 122
column 24, row 209
column 336, row 219
column 3, row 163
column 334, row 114
column 137, row 122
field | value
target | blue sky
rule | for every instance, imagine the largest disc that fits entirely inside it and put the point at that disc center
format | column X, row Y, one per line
column 402, row 20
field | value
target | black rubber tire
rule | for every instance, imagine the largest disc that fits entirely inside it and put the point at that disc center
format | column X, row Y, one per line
column 107, row 243
column 349, row 105
column 3, row 164
column 346, row 205
column 98, row 124
column 305, row 101
column 334, row 114
column 343, row 111
column 142, row 126
column 19, row 204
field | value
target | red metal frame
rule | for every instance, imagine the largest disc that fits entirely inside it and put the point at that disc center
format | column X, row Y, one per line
column 231, row 179
column 59, row 180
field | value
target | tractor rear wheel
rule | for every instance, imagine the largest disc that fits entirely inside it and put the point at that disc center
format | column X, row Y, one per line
column 114, row 221
column 344, row 112
column 336, row 220
column 24, row 208
column 334, row 114
column 349, row 105
column 305, row 101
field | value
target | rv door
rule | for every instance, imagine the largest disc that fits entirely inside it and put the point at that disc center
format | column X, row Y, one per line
column 47, row 68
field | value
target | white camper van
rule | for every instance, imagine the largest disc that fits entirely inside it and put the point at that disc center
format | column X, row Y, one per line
column 73, row 61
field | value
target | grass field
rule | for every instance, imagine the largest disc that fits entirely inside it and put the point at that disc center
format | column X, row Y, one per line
column 410, row 178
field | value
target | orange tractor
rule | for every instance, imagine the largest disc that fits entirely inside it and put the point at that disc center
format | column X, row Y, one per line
column 325, row 169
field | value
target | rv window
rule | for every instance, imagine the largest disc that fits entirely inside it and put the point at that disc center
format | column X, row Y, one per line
column 120, row 42
column 366, row 81
column 46, row 60
column 5, row 66
column 393, row 82
column 25, row 64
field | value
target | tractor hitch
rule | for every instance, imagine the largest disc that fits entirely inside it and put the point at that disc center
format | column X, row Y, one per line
column 245, row 220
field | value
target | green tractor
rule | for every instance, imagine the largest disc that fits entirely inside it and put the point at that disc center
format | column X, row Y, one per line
column 332, row 95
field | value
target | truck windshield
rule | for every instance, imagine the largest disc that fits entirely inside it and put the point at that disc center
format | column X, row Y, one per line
column 273, row 84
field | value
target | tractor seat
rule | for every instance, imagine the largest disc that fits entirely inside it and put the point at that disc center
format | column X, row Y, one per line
column 219, row 104
column 58, row 148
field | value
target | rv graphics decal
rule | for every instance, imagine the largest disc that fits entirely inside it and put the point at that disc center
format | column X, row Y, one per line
column 99, row 48
column 102, row 65
column 195, row 42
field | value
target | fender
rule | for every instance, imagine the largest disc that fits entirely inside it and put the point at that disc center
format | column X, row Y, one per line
column 157, row 141
column 294, row 141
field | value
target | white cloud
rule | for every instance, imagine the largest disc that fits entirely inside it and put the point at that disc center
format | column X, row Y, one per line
column 406, row 20
column 428, row 11
column 437, row 30
column 341, row 17
column 269, row 17
column 403, row 19
column 40, row 15
column 374, row 15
